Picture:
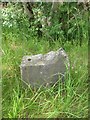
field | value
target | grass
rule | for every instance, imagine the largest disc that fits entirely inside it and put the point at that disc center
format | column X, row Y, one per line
column 68, row 99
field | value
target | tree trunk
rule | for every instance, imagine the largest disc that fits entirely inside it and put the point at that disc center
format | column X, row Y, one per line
column 28, row 10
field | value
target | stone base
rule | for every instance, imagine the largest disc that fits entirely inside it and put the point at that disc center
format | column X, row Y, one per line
column 45, row 69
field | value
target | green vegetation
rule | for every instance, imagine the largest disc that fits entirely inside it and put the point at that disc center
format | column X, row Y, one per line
column 68, row 99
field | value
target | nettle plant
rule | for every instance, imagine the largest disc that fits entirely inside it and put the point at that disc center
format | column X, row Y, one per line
column 66, row 22
column 36, row 24
column 44, row 25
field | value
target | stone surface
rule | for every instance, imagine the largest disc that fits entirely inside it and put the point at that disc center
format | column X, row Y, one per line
column 45, row 69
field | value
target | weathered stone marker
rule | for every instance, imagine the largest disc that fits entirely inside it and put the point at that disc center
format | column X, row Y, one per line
column 45, row 69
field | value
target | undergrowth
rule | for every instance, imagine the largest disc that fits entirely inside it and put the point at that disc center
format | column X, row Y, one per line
column 65, row 100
